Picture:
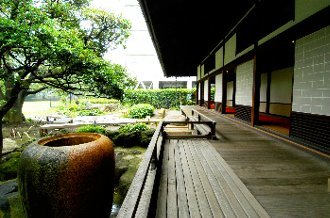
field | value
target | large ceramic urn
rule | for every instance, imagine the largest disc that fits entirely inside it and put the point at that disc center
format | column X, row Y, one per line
column 69, row 175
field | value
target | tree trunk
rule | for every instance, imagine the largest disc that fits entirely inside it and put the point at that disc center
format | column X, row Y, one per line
column 15, row 114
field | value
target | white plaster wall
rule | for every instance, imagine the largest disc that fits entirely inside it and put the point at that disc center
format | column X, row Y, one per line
column 306, row 8
column 230, row 49
column 281, row 86
column 202, row 71
column 198, row 72
column 311, row 89
column 218, row 88
column 244, row 83
column 219, row 58
column 206, row 90
column 263, row 87
column 199, row 91
column 230, row 90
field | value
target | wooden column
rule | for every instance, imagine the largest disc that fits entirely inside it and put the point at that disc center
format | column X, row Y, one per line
column 224, row 92
column 269, row 78
column 209, row 94
column 197, row 93
column 255, row 93
column 201, row 102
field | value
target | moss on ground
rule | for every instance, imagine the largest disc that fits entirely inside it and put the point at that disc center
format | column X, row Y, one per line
column 8, row 169
column 129, row 160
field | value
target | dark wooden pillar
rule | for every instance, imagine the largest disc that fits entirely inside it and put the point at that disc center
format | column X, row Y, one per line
column 224, row 92
column 201, row 102
column 255, row 93
column 197, row 93
column 208, row 94
column 269, row 79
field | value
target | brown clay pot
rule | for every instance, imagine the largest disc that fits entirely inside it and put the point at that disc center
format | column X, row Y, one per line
column 70, row 175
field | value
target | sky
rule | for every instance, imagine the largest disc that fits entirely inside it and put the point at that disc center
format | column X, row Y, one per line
column 139, row 58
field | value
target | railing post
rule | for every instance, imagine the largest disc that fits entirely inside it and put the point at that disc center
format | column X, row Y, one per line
column 213, row 129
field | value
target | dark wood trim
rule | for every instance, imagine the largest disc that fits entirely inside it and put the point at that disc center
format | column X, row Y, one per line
column 269, row 80
column 197, row 93
column 202, row 93
column 209, row 94
column 255, row 94
column 312, row 130
column 224, row 92
column 234, row 90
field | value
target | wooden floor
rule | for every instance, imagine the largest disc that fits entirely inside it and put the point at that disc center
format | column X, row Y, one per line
column 287, row 181
column 196, row 182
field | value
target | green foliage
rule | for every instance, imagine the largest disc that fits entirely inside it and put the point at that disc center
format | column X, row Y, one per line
column 135, row 128
column 129, row 135
column 101, row 101
column 91, row 129
column 8, row 169
column 141, row 111
column 73, row 110
column 212, row 93
column 91, row 112
column 59, row 44
column 161, row 98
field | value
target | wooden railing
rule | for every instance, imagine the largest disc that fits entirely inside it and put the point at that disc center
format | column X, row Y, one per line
column 138, row 198
column 141, row 197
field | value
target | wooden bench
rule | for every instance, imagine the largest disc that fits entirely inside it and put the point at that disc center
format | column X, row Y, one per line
column 187, row 178
column 201, row 128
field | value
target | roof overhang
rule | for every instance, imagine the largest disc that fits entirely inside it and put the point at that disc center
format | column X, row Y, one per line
column 184, row 32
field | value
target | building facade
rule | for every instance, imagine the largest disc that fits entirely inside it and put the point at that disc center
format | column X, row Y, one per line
column 272, row 70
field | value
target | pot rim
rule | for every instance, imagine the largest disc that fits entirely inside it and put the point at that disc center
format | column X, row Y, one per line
column 93, row 136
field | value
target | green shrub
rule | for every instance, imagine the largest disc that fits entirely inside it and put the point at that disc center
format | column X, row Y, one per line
column 126, row 139
column 129, row 135
column 137, row 128
column 160, row 98
column 92, row 129
column 8, row 169
column 101, row 101
column 141, row 111
column 91, row 112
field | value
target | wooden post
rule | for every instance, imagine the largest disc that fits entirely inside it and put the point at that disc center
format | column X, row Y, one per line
column 255, row 93
column 224, row 92
column 208, row 94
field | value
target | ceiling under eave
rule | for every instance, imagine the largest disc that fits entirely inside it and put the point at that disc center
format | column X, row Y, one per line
column 184, row 32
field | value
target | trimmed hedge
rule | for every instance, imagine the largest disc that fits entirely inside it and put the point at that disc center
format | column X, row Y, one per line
column 160, row 98
column 141, row 111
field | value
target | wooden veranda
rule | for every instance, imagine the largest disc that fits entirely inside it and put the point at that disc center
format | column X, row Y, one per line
column 241, row 173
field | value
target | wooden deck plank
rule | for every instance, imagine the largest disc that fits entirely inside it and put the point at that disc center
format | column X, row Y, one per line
column 172, row 207
column 229, row 204
column 204, row 207
column 190, row 192
column 251, row 206
column 181, row 189
column 228, row 189
column 162, row 193
column 202, row 174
